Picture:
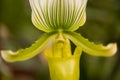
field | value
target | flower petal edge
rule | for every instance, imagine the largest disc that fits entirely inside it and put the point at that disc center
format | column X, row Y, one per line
column 33, row 50
column 90, row 47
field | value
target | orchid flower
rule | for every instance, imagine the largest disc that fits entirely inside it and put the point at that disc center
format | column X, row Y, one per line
column 59, row 19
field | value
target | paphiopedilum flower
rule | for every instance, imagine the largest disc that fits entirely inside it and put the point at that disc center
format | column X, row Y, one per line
column 59, row 19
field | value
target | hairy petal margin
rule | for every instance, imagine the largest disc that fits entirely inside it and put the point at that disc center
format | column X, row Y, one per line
column 33, row 50
column 90, row 47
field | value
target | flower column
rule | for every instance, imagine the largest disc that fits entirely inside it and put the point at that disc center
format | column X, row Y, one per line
column 63, row 64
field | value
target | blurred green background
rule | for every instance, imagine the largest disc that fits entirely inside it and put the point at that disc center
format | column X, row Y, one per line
column 17, row 31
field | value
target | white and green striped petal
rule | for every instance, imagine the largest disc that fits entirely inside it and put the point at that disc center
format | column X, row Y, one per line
column 50, row 15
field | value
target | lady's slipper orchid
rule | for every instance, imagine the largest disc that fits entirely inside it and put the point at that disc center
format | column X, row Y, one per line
column 59, row 19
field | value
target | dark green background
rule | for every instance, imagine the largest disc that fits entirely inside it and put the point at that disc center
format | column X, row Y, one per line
column 17, row 31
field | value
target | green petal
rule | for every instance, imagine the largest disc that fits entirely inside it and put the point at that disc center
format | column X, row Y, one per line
column 90, row 47
column 24, row 54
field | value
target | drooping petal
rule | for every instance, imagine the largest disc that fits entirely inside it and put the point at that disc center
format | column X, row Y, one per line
column 49, row 15
column 30, row 52
column 90, row 47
